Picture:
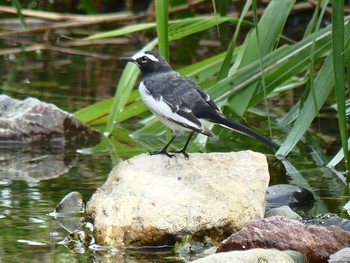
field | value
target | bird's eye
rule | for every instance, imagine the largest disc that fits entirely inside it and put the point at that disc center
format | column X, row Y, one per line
column 144, row 59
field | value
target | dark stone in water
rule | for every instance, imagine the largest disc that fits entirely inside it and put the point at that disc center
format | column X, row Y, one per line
column 330, row 220
column 32, row 122
column 291, row 195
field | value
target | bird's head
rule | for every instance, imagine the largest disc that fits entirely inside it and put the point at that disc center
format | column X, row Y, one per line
column 149, row 62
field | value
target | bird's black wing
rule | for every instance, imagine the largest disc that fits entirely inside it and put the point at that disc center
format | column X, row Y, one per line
column 172, row 89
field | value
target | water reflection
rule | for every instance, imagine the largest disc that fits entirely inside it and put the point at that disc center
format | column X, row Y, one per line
column 34, row 164
column 26, row 199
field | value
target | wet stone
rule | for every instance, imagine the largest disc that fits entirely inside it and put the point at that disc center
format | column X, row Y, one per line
column 72, row 203
column 69, row 213
column 341, row 256
column 330, row 220
column 77, row 241
column 255, row 255
column 285, row 211
column 187, row 246
column 290, row 195
column 318, row 242
column 32, row 122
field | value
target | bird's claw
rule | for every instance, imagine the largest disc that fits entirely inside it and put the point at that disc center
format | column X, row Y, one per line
column 185, row 154
column 162, row 152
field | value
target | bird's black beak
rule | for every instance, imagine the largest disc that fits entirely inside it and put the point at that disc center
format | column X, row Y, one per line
column 126, row 59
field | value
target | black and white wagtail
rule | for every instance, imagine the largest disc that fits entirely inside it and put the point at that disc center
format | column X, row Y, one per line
column 179, row 103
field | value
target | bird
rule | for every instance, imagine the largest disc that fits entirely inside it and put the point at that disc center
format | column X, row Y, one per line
column 179, row 103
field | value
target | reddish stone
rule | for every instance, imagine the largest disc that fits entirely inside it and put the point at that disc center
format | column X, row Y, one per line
column 317, row 243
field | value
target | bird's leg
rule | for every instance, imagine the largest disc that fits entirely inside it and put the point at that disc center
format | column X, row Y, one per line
column 163, row 151
column 183, row 150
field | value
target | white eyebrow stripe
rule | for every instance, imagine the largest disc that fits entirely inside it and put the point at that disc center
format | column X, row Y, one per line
column 141, row 54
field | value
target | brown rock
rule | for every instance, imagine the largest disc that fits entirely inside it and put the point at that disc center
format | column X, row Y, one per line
column 315, row 242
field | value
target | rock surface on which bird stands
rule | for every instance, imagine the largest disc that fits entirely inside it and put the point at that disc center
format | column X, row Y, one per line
column 156, row 200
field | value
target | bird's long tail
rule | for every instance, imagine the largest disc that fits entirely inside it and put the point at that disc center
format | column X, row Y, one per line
column 245, row 130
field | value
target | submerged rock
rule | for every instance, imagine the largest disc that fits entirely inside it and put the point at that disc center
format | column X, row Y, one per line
column 330, row 220
column 77, row 241
column 255, row 255
column 151, row 200
column 290, row 195
column 34, row 122
column 71, row 204
column 315, row 242
column 69, row 213
column 285, row 211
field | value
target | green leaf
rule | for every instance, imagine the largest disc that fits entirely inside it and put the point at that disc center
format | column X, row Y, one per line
column 88, row 6
column 339, row 75
column 125, row 85
column 270, row 27
column 324, row 83
column 18, row 7
column 226, row 65
column 95, row 114
column 162, row 7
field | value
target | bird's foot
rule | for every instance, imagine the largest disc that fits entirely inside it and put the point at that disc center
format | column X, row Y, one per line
column 162, row 152
column 183, row 152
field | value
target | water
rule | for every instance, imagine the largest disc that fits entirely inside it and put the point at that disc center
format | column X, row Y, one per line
column 72, row 82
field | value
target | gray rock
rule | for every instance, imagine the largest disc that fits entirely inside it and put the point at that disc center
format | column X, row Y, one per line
column 342, row 256
column 72, row 203
column 285, row 211
column 330, row 220
column 34, row 122
column 150, row 200
column 291, row 195
column 255, row 255
column 69, row 213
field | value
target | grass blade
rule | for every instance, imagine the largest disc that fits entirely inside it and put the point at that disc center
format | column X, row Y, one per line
column 270, row 27
column 162, row 27
column 339, row 75
column 324, row 83
column 125, row 85
column 18, row 7
column 225, row 67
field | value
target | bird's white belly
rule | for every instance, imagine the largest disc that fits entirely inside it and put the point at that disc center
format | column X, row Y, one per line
column 162, row 111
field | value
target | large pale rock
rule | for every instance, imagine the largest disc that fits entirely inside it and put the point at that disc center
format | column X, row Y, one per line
column 315, row 242
column 34, row 122
column 149, row 200
column 255, row 255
